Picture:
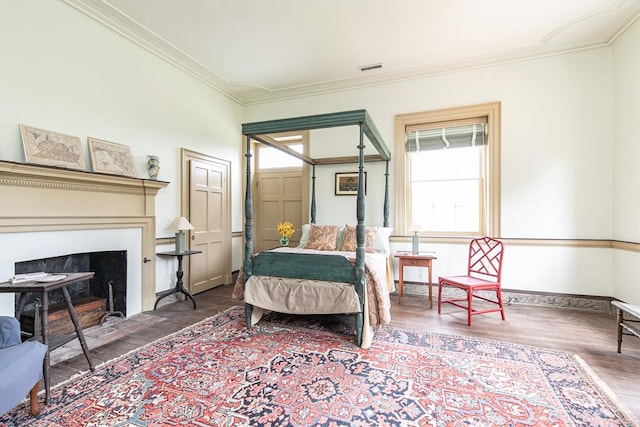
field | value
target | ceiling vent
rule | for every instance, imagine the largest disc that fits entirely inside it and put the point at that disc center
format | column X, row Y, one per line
column 370, row 67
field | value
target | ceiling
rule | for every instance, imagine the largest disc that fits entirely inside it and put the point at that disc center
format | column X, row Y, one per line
column 262, row 50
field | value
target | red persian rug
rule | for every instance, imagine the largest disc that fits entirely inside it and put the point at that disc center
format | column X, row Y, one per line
column 293, row 371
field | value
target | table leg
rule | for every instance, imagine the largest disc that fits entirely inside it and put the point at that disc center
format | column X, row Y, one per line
column 400, row 284
column 179, row 283
column 76, row 324
column 430, row 286
column 620, row 321
column 45, row 340
column 178, row 289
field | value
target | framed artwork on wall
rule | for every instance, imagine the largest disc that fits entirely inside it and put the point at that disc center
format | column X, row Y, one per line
column 45, row 147
column 347, row 183
column 109, row 157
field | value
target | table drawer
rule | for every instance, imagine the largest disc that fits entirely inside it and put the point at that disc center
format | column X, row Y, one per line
column 415, row 262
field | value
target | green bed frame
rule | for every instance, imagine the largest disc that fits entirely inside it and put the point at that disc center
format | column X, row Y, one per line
column 312, row 266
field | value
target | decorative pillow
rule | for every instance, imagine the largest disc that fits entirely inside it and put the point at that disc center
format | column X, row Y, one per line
column 382, row 240
column 304, row 236
column 340, row 238
column 323, row 237
column 349, row 243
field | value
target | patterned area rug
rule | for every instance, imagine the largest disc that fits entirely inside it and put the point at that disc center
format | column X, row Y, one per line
column 290, row 370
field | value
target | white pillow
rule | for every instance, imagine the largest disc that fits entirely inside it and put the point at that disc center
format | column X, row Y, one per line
column 304, row 237
column 382, row 240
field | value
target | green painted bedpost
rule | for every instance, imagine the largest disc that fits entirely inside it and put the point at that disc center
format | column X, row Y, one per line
column 248, row 230
column 360, row 232
column 386, row 195
column 313, row 194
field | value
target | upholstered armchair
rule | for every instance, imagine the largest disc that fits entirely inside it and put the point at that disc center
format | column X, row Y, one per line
column 20, row 367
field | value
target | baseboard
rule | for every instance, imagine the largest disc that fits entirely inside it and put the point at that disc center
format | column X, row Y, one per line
column 514, row 297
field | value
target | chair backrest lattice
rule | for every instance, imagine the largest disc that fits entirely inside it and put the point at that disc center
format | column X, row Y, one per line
column 485, row 259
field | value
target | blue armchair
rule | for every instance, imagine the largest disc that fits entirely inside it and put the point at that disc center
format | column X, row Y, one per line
column 20, row 367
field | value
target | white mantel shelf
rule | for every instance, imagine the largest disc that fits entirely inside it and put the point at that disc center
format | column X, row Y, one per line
column 43, row 198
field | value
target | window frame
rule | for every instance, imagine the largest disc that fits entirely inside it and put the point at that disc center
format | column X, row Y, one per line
column 491, row 213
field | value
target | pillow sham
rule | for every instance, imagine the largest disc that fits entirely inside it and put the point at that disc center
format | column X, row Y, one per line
column 323, row 237
column 382, row 240
column 304, row 235
column 349, row 243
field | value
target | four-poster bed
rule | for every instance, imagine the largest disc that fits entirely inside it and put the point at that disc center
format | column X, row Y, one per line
column 324, row 281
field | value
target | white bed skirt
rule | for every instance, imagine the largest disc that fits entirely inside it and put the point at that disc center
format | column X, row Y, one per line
column 301, row 296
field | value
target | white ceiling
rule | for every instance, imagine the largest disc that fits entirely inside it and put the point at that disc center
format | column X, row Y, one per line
column 261, row 50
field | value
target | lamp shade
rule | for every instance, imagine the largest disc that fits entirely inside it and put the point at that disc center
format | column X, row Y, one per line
column 179, row 223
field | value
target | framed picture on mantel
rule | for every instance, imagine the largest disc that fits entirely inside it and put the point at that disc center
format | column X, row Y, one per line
column 109, row 157
column 45, row 147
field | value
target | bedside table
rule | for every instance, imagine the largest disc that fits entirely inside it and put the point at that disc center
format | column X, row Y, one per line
column 409, row 259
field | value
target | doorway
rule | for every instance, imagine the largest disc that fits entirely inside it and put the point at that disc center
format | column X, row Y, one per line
column 280, row 189
column 206, row 202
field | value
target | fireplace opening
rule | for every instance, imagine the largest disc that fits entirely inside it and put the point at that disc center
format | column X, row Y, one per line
column 110, row 268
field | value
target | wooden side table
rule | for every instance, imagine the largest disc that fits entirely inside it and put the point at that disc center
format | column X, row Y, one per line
column 409, row 259
column 179, row 288
column 43, row 288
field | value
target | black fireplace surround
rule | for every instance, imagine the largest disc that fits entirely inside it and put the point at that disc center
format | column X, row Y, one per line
column 108, row 266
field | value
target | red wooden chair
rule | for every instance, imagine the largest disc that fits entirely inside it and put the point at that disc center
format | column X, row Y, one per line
column 483, row 274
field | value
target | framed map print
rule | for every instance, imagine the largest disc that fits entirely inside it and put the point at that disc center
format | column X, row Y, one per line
column 109, row 157
column 49, row 148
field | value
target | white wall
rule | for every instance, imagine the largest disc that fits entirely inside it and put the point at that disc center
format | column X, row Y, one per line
column 64, row 72
column 556, row 160
column 626, row 162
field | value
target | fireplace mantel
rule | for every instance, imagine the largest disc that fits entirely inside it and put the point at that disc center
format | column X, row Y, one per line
column 41, row 198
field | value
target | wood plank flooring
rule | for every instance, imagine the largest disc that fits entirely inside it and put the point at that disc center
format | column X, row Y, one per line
column 591, row 335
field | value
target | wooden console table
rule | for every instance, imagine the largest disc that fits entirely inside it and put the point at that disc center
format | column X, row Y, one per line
column 43, row 288
column 409, row 259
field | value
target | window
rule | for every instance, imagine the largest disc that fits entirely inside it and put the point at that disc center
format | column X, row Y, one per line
column 447, row 171
column 272, row 158
column 268, row 157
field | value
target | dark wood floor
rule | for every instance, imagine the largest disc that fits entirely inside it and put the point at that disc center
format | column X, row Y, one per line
column 591, row 335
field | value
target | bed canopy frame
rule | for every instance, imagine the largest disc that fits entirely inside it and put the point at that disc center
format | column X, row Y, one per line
column 260, row 131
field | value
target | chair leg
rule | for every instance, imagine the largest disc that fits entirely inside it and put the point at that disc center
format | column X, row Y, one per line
column 439, row 296
column 499, row 295
column 469, row 299
column 34, row 404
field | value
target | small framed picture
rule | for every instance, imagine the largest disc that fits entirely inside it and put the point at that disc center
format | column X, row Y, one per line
column 347, row 183
column 44, row 147
column 112, row 158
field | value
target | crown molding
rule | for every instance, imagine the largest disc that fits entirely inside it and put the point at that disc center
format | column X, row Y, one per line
column 120, row 23
column 115, row 20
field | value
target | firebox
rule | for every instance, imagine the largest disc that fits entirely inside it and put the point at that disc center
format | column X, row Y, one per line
column 110, row 268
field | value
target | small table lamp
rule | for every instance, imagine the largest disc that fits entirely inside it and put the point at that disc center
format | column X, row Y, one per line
column 179, row 224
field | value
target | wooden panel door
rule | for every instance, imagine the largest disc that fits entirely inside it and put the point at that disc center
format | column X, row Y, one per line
column 208, row 210
column 278, row 198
